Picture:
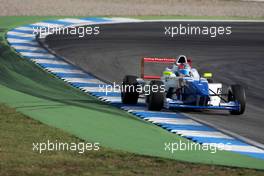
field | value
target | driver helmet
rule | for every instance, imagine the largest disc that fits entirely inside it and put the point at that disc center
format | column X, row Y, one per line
column 182, row 59
column 179, row 63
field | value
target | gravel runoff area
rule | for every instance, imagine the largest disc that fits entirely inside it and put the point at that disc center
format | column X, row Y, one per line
column 132, row 7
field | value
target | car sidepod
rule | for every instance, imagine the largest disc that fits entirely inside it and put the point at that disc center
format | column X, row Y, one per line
column 195, row 92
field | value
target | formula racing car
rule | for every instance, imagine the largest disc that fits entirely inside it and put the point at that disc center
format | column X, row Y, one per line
column 181, row 87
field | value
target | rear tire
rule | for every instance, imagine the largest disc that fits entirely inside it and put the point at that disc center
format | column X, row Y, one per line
column 210, row 80
column 237, row 93
column 155, row 100
column 129, row 95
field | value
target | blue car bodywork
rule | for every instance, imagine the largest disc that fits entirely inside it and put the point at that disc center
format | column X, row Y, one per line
column 196, row 94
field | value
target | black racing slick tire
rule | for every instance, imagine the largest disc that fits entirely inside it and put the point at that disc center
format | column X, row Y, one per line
column 237, row 93
column 156, row 96
column 129, row 94
column 210, row 80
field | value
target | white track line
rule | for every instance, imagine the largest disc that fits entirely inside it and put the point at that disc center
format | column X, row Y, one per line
column 62, row 70
column 30, row 54
column 25, row 29
column 74, row 20
column 192, row 133
column 110, row 98
column 84, row 80
column 173, row 121
column 134, row 108
column 20, row 34
column 120, row 19
column 31, row 48
column 49, row 61
column 13, row 40
column 159, row 112
column 49, row 25
column 238, row 148
column 89, row 89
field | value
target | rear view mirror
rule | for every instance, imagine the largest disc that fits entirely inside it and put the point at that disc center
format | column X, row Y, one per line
column 207, row 75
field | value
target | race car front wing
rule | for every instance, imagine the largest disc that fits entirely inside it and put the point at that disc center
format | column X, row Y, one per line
column 176, row 104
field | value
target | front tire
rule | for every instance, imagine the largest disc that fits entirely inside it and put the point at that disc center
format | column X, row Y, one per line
column 155, row 100
column 210, row 80
column 237, row 93
column 129, row 95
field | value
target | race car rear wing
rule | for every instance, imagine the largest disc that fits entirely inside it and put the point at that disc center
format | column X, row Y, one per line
column 154, row 60
column 157, row 60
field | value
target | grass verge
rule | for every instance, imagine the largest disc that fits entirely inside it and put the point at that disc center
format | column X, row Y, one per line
column 18, row 132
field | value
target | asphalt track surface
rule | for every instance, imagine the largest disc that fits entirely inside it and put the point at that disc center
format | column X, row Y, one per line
column 235, row 58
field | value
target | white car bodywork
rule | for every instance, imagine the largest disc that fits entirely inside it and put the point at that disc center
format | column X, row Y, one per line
column 171, row 80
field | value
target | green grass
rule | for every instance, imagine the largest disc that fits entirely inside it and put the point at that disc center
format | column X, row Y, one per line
column 42, row 97
column 18, row 132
